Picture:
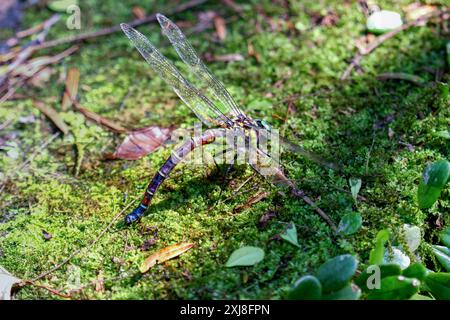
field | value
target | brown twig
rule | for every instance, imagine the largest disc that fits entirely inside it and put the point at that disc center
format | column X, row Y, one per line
column 22, row 81
column 115, row 28
column 99, row 119
column 51, row 290
column 308, row 200
column 381, row 39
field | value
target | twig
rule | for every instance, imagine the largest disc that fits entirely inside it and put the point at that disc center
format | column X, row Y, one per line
column 115, row 28
column 308, row 200
column 28, row 50
column 76, row 252
column 51, row 60
column 99, row 119
column 381, row 39
column 51, row 290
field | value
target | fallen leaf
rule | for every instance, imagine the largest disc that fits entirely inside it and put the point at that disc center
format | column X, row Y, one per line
column 52, row 115
column 245, row 256
column 224, row 58
column 219, row 24
column 416, row 10
column 165, row 254
column 6, row 282
column 71, row 90
column 290, row 235
column 141, row 142
column 138, row 12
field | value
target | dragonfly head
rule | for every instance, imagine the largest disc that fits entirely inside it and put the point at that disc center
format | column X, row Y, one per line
column 263, row 124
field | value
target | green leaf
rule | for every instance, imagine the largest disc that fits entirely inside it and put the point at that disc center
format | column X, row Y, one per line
column 415, row 270
column 445, row 236
column 443, row 255
column 439, row 284
column 355, row 186
column 290, row 235
column 443, row 134
column 377, row 253
column 306, row 288
column 337, row 272
column 386, row 270
column 395, row 288
column 350, row 223
column 61, row 5
column 418, row 296
column 349, row 292
column 245, row 256
column 433, row 181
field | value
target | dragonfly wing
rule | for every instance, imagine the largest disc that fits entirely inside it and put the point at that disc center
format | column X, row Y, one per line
column 191, row 58
column 205, row 110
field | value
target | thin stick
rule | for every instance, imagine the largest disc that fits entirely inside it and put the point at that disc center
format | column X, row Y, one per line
column 41, row 286
column 116, row 28
column 308, row 200
column 381, row 39
column 76, row 252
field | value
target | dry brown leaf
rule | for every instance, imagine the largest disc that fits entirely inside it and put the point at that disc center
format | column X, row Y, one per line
column 138, row 12
column 71, row 90
column 165, row 254
column 219, row 24
column 141, row 142
column 416, row 10
column 232, row 57
column 52, row 115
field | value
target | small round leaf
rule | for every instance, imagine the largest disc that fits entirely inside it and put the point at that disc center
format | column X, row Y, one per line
column 337, row 272
column 306, row 288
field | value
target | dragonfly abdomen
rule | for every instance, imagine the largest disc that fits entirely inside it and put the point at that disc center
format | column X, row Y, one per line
column 163, row 173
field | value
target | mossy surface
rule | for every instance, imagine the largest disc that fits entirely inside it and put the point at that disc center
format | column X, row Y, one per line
column 380, row 131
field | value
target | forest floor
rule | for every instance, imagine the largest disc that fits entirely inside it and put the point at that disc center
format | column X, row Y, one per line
column 381, row 131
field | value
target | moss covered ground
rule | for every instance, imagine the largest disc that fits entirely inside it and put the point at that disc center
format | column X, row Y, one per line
column 383, row 132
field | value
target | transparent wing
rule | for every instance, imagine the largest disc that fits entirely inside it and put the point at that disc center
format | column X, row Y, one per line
column 190, row 57
column 202, row 106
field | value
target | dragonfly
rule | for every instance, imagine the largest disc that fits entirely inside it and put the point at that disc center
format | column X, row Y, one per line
column 222, row 116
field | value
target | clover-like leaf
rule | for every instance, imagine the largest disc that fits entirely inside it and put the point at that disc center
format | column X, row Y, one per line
column 306, row 288
column 337, row 272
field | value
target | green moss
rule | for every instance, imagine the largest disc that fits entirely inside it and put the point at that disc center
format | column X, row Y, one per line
column 364, row 124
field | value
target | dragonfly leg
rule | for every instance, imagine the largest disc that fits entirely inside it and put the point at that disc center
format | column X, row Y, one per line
column 177, row 155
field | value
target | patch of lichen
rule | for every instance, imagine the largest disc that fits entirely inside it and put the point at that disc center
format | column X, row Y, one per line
column 366, row 125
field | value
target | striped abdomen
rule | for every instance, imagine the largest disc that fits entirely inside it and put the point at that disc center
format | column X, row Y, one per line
column 159, row 177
